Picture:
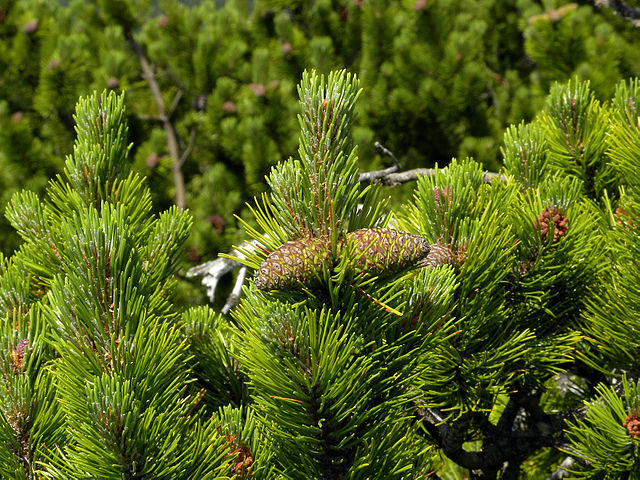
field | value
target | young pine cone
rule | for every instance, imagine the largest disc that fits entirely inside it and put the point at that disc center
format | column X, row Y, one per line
column 381, row 251
column 632, row 422
column 556, row 215
column 297, row 261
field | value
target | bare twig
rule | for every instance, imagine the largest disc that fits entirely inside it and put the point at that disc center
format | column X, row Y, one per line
column 153, row 118
column 187, row 151
column 377, row 174
column 393, row 179
column 388, row 153
column 174, row 104
column 172, row 137
column 622, row 9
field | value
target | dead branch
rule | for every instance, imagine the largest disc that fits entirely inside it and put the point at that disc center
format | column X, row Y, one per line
column 621, row 8
column 165, row 117
column 390, row 178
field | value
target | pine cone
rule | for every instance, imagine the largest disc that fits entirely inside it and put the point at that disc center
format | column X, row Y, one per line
column 243, row 460
column 632, row 422
column 298, row 261
column 442, row 255
column 556, row 215
column 381, row 251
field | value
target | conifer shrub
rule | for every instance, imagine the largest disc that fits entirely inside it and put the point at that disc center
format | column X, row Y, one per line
column 473, row 333
column 441, row 79
column 96, row 375
column 485, row 329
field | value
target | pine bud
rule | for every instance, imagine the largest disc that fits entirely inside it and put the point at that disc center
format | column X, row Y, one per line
column 229, row 107
column 258, row 89
column 113, row 83
column 381, row 251
column 295, row 262
column 18, row 354
column 556, row 215
column 632, row 423
column 30, row 27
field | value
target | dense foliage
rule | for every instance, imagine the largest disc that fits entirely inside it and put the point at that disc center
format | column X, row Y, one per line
column 487, row 329
column 211, row 90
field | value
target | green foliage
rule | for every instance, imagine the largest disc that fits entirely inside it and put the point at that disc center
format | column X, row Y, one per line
column 603, row 438
column 383, row 345
column 465, row 349
column 440, row 79
column 96, row 376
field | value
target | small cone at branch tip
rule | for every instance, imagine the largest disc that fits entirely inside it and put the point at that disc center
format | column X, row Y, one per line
column 632, row 424
column 440, row 254
column 17, row 355
column 556, row 215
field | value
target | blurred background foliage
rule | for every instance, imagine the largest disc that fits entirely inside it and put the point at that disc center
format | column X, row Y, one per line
column 210, row 86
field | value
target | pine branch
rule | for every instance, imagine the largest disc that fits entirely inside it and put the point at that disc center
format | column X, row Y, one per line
column 165, row 116
column 213, row 270
column 505, row 444
column 187, row 151
column 561, row 471
column 622, row 9
column 390, row 178
column 387, row 152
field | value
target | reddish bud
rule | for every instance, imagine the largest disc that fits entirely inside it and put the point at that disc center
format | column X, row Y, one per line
column 286, row 48
column 30, row 27
column 17, row 356
column 229, row 107
column 16, row 117
column 442, row 195
column 258, row 89
column 192, row 254
column 113, row 83
column 217, row 222
column 151, row 161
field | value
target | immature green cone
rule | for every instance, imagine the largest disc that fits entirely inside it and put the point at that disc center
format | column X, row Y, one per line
column 381, row 251
column 296, row 262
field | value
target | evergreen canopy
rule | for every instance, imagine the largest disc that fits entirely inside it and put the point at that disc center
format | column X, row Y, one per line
column 486, row 328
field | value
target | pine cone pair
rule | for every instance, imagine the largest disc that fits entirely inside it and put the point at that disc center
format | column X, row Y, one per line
column 377, row 251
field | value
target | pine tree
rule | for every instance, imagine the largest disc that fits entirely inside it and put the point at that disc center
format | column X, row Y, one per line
column 472, row 347
column 96, row 375
column 485, row 329
column 211, row 93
